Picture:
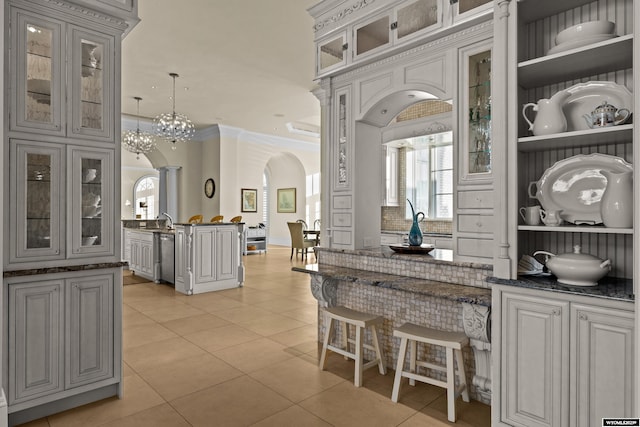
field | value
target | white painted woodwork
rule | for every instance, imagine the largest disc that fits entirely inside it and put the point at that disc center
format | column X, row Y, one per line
column 391, row 182
column 560, row 359
column 48, row 202
column 208, row 258
column 89, row 330
column 63, row 330
column 141, row 253
column 63, row 335
column 35, row 340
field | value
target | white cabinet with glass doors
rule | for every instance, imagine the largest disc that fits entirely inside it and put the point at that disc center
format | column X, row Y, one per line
column 44, row 174
column 44, row 83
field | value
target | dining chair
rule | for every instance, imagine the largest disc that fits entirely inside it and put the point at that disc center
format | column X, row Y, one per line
column 196, row 219
column 217, row 218
column 316, row 224
column 236, row 218
column 298, row 242
column 304, row 223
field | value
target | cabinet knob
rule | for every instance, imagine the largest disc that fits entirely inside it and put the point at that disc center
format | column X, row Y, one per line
column 583, row 316
column 555, row 312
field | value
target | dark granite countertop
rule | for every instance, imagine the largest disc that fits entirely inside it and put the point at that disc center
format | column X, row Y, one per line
column 611, row 288
column 202, row 224
column 64, row 269
column 459, row 293
column 437, row 256
column 155, row 230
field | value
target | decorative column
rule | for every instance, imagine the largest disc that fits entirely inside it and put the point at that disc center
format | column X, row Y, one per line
column 169, row 190
column 476, row 320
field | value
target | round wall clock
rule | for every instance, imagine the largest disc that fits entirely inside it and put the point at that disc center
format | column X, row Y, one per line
column 209, row 188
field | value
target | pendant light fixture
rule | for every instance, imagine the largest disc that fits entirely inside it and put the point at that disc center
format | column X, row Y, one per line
column 138, row 142
column 174, row 127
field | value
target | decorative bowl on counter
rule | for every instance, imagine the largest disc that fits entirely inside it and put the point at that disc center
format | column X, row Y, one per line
column 408, row 249
column 585, row 30
column 576, row 268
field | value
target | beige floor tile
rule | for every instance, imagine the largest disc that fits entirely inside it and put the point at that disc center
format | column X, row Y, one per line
column 251, row 296
column 161, row 353
column 278, row 305
column 239, row 402
column 158, row 416
column 307, row 315
column 347, row 405
column 42, row 422
column 243, row 313
column 300, row 340
column 167, row 314
column 144, row 334
column 271, row 324
column 132, row 317
column 138, row 396
column 294, row 416
column 254, row 355
column 213, row 340
column 154, row 302
column 189, row 375
column 201, row 322
column 212, row 302
column 468, row 414
column 296, row 379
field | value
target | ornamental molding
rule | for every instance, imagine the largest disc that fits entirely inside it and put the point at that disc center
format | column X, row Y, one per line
column 435, row 127
column 81, row 11
column 476, row 321
column 441, row 43
column 324, row 290
column 340, row 15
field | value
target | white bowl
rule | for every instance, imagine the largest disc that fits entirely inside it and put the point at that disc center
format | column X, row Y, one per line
column 586, row 29
column 89, row 240
column 90, row 199
column 89, row 174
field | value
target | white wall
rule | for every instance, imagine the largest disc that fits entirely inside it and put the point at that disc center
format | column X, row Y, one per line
column 132, row 170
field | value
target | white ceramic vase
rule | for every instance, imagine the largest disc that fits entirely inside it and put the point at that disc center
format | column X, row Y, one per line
column 616, row 206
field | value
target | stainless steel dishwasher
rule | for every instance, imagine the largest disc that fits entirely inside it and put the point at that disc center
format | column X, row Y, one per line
column 167, row 257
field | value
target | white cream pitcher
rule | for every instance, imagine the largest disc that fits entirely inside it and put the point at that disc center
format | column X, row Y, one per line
column 550, row 117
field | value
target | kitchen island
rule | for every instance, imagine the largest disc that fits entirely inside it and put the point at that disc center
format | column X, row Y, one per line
column 208, row 257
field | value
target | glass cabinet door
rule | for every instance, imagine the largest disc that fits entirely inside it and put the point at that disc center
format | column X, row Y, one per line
column 416, row 17
column 479, row 112
column 372, row 35
column 91, row 201
column 36, row 68
column 332, row 53
column 36, row 218
column 91, row 86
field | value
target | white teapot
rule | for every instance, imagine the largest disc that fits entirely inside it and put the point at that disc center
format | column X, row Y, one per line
column 605, row 115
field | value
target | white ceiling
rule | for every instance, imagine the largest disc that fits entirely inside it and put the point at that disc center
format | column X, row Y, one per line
column 247, row 64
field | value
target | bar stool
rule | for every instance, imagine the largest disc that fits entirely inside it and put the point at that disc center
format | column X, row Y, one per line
column 453, row 343
column 360, row 321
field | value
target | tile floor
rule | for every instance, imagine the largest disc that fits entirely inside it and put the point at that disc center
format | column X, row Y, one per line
column 247, row 357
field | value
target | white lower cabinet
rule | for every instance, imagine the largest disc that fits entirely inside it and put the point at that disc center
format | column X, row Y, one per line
column 141, row 253
column 208, row 258
column 560, row 360
column 62, row 337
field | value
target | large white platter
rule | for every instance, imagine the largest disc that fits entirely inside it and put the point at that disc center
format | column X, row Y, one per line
column 585, row 97
column 576, row 185
column 580, row 42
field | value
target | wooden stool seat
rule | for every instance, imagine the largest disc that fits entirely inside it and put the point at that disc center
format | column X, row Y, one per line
column 453, row 343
column 360, row 321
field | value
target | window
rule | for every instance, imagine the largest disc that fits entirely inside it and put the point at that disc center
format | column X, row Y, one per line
column 312, row 206
column 146, row 198
column 429, row 174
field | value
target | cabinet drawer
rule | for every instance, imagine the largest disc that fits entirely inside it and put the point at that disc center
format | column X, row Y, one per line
column 256, row 232
column 481, row 199
column 482, row 248
column 483, row 224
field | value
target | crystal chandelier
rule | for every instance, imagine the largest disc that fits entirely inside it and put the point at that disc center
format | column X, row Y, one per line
column 174, row 127
column 138, row 142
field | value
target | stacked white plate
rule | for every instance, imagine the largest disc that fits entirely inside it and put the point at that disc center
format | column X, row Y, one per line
column 583, row 34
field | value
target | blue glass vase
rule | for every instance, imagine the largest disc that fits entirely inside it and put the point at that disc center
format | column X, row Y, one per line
column 415, row 234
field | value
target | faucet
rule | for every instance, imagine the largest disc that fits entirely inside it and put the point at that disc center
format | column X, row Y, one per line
column 170, row 225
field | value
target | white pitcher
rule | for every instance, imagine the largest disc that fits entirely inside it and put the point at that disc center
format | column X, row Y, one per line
column 616, row 205
column 550, row 117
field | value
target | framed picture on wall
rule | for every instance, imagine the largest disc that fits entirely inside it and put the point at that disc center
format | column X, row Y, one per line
column 249, row 200
column 286, row 200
